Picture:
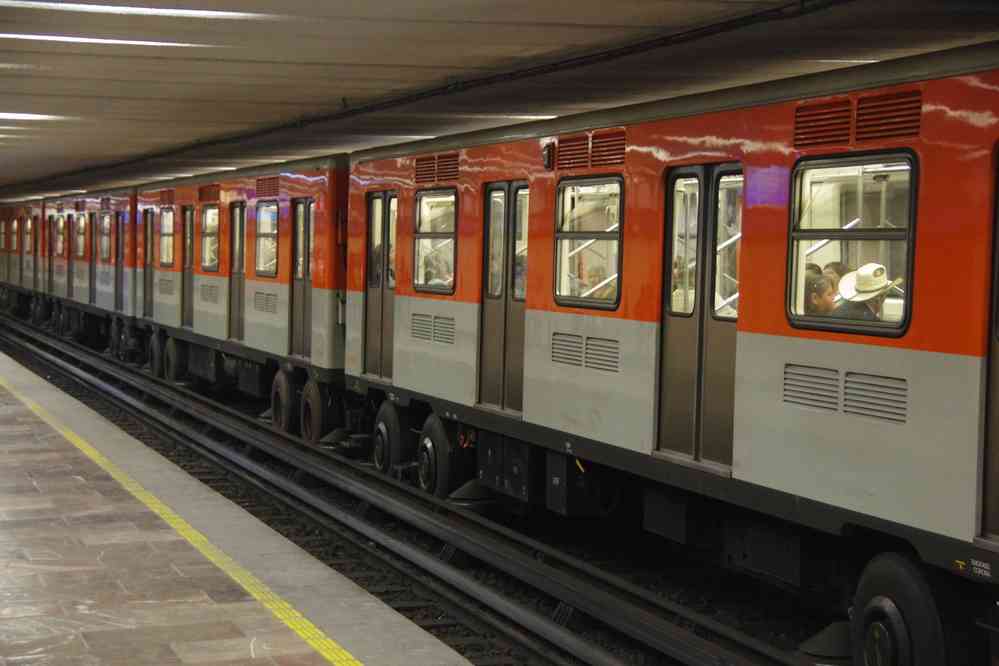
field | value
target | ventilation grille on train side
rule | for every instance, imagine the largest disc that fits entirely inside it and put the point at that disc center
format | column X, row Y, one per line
column 436, row 168
column 105, row 203
column 166, row 286
column 602, row 149
column 603, row 354
column 444, row 330
column 264, row 301
column 889, row 116
column 80, row 206
column 808, row 386
column 567, row 349
column 421, row 327
column 876, row 118
column 430, row 328
column 209, row 293
column 268, row 187
column 885, row 398
column 166, row 197
column 820, row 124
column 208, row 193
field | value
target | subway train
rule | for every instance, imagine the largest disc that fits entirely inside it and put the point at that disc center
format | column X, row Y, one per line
column 761, row 320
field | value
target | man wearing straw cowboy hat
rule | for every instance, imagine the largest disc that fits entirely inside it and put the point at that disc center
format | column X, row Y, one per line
column 863, row 293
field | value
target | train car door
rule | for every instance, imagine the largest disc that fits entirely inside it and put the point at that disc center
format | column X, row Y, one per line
column 19, row 252
column 237, row 271
column 50, row 251
column 149, row 263
column 990, row 485
column 301, row 289
column 94, row 232
column 700, row 309
column 501, row 371
column 119, row 262
column 379, row 315
column 187, row 262
column 72, row 224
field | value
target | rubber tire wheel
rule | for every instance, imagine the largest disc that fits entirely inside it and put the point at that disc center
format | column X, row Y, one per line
column 174, row 360
column 388, row 447
column 315, row 417
column 155, row 356
column 435, row 467
column 891, row 579
column 284, row 403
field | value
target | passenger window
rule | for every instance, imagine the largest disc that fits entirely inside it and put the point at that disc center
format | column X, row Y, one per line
column 29, row 248
column 436, row 218
column 188, row 215
column 13, row 235
column 497, row 227
column 728, row 240
column 393, row 213
column 80, row 236
column 210, row 239
column 3, row 235
column 520, row 243
column 851, row 239
column 686, row 199
column 588, row 239
column 166, row 237
column 376, row 220
column 267, row 239
column 300, row 223
column 105, row 237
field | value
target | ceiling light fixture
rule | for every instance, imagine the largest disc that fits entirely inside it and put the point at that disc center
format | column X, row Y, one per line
column 30, row 116
column 848, row 61
column 17, row 65
column 124, row 10
column 99, row 40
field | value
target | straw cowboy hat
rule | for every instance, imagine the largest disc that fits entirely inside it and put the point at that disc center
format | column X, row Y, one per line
column 867, row 282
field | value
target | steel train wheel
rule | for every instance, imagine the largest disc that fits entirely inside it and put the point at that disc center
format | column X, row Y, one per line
column 895, row 620
column 284, row 403
column 390, row 441
column 434, row 463
column 316, row 414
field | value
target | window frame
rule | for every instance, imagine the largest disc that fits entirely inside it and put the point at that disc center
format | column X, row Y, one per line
column 811, row 322
column 491, row 188
column 27, row 235
column 276, row 235
column 79, row 250
column 418, row 236
column 210, row 268
column 511, row 283
column 102, row 234
column 575, row 301
column 733, row 169
column 674, row 175
column 160, row 235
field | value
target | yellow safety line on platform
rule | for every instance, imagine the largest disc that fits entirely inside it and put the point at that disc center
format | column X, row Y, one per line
column 281, row 609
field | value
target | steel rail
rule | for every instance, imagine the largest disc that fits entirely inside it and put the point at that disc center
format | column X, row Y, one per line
column 610, row 600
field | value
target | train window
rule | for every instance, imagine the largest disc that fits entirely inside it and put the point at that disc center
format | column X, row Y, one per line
column 376, row 211
column 497, row 229
column 166, row 237
column 81, row 235
column 436, row 221
column 60, row 237
column 728, row 240
column 588, row 237
column 27, row 236
column 210, row 239
column 300, row 247
column 685, row 199
column 267, row 239
column 13, row 235
column 851, row 242
column 105, row 236
column 522, row 203
column 393, row 213
column 3, row 235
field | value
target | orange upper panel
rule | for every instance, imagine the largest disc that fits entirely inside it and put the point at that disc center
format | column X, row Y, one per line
column 955, row 180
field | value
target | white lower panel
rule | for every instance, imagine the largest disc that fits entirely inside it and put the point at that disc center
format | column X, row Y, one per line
column 615, row 407
column 327, row 333
column 924, row 472
column 267, row 319
column 211, row 306
column 81, row 281
column 445, row 367
column 166, row 297
column 354, row 350
column 105, row 287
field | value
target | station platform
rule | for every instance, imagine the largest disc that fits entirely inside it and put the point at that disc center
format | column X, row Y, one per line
column 111, row 555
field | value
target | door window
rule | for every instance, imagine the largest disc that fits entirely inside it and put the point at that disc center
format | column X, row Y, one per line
column 497, row 235
column 210, row 239
column 522, row 196
column 686, row 220
column 728, row 240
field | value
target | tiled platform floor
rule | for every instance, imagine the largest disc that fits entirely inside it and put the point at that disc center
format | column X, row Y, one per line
column 90, row 576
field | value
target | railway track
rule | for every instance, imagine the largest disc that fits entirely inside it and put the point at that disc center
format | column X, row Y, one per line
column 315, row 483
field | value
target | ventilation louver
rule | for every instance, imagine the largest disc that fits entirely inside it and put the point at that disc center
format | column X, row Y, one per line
column 580, row 152
column 884, row 398
column 573, row 152
column 268, row 187
column 166, row 197
column 208, row 193
column 105, row 203
column 808, row 386
column 567, row 349
column 432, row 169
column 421, row 327
column 444, row 330
column 603, row 354
column 265, row 302
column 80, row 206
column 209, row 293
column 889, row 116
column 820, row 124
column 607, row 149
